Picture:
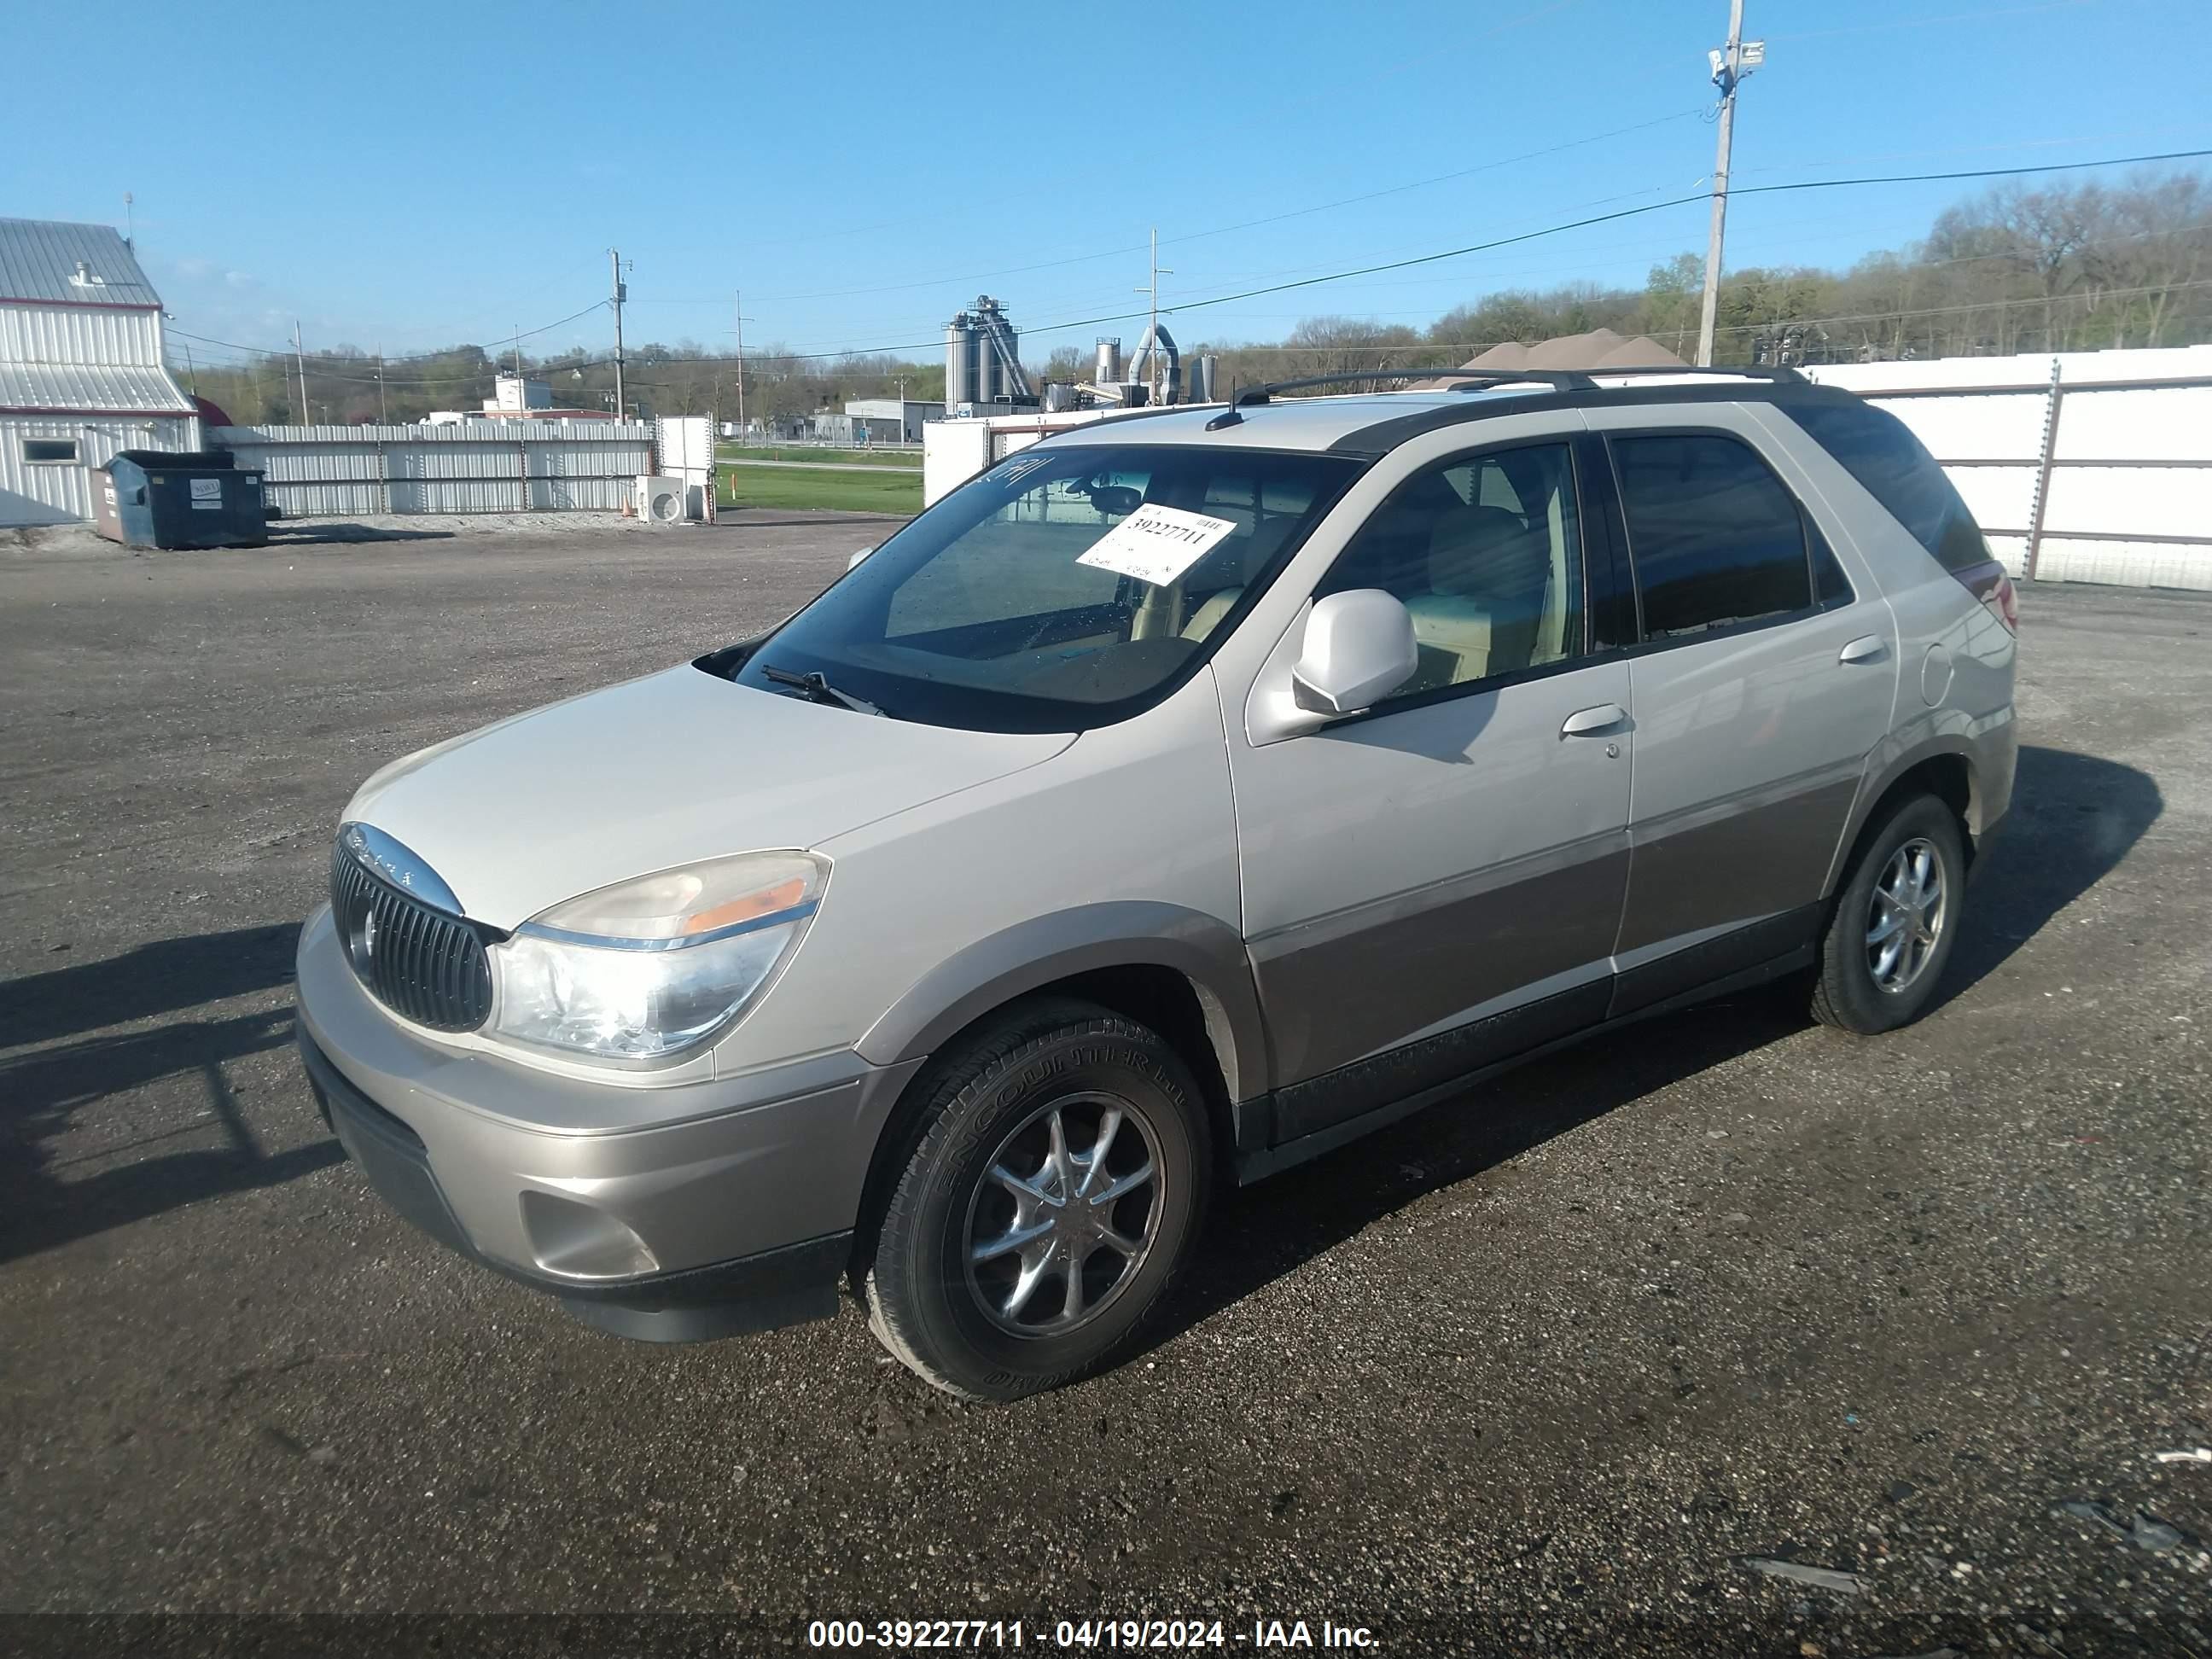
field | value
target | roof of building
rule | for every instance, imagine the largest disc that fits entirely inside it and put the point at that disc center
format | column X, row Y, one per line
column 39, row 261
column 1599, row 348
column 88, row 389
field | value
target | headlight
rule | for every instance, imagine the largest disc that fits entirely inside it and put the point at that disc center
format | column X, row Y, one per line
column 646, row 967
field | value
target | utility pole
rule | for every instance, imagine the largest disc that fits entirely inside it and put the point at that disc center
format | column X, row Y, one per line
column 738, row 306
column 300, row 356
column 191, row 371
column 1153, row 335
column 518, row 360
column 614, row 263
column 383, row 410
column 1730, row 64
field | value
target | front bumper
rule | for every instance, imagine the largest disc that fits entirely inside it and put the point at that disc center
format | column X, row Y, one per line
column 669, row 1213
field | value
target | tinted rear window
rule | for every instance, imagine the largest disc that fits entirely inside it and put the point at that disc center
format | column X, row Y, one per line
column 1879, row 451
column 1715, row 538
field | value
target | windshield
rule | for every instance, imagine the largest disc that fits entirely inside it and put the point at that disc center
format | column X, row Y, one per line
column 1065, row 588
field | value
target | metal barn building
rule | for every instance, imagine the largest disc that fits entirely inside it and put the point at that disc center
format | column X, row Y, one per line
column 82, row 375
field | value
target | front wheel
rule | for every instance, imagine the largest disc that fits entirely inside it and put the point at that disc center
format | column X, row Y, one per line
column 1059, row 1177
column 1895, row 921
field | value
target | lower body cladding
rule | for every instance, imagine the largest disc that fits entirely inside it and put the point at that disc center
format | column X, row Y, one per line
column 667, row 1214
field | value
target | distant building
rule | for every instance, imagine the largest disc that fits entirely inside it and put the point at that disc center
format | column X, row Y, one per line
column 511, row 394
column 82, row 370
column 890, row 420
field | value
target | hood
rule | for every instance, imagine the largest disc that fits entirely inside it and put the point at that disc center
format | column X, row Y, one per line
column 674, row 768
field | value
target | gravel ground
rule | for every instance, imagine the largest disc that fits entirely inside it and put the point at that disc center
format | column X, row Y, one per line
column 1545, row 1369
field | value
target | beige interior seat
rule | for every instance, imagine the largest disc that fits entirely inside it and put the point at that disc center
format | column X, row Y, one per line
column 1209, row 616
column 1487, row 576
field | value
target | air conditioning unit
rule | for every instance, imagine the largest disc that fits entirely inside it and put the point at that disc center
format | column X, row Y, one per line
column 659, row 500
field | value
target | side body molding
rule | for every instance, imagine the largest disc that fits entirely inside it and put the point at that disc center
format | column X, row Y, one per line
column 1120, row 933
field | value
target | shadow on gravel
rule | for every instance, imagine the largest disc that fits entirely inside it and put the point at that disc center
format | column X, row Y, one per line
column 156, row 1145
column 1262, row 1232
column 43, row 1204
column 156, row 978
column 2073, row 818
column 313, row 532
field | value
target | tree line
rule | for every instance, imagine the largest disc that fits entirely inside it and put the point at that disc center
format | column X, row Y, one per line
column 2022, row 268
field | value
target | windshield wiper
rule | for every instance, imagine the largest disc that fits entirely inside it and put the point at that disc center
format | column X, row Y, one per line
column 818, row 689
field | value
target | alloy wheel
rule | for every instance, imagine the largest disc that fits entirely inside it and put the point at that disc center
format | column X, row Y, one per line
column 1905, row 918
column 1063, row 1216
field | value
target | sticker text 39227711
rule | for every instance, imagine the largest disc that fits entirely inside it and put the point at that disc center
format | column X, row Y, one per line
column 1156, row 544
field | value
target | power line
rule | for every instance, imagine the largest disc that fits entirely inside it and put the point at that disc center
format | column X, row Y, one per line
column 1435, row 258
column 1222, row 230
column 2085, row 295
column 345, row 357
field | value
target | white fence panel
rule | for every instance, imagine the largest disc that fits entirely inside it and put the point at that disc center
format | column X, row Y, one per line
column 2126, row 495
column 477, row 467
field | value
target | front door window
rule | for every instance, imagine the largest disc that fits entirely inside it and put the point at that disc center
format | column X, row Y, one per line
column 1485, row 554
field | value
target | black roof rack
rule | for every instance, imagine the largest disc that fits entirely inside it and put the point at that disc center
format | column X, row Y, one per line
column 1484, row 380
column 1780, row 375
column 1564, row 378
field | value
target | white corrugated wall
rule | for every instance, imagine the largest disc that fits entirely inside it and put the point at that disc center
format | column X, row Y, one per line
column 50, row 492
column 2130, row 497
column 477, row 467
column 59, row 334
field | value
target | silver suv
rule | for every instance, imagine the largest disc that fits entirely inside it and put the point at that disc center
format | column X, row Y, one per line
column 1182, row 798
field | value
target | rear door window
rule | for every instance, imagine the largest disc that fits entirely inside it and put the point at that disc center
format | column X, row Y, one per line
column 1715, row 538
column 1895, row 468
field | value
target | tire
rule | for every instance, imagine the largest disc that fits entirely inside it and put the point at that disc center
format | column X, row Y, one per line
column 976, row 1329
column 1851, row 990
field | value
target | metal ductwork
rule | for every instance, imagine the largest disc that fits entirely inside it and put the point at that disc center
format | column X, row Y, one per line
column 1140, row 373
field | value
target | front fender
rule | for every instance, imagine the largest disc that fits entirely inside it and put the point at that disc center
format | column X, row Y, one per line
column 1122, row 933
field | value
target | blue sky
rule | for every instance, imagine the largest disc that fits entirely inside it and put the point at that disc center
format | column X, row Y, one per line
column 401, row 176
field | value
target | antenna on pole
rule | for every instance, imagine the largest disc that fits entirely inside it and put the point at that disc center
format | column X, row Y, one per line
column 1729, row 65
column 130, row 225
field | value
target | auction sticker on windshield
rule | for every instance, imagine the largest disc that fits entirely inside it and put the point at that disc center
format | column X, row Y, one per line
column 1156, row 543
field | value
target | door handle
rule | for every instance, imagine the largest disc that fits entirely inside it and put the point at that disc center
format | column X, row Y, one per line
column 1584, row 721
column 1867, row 647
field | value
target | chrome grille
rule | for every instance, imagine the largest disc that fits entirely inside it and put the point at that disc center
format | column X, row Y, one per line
column 422, row 963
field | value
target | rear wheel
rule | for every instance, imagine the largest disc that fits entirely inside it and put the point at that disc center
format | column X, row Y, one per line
column 1895, row 921
column 1058, row 1177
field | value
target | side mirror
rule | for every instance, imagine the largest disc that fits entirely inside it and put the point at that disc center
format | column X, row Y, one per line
column 1359, row 648
column 854, row 563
